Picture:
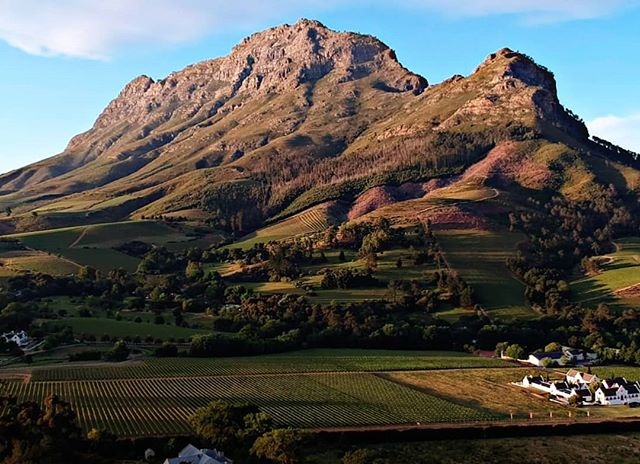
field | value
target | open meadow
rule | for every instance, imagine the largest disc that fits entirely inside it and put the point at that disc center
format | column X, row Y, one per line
column 617, row 280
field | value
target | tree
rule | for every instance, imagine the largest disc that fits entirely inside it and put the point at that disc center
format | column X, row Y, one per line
column 8, row 211
column 119, row 352
column 229, row 426
column 399, row 263
column 341, row 256
column 553, row 346
column 194, row 271
column 281, row 446
column 515, row 351
column 366, row 456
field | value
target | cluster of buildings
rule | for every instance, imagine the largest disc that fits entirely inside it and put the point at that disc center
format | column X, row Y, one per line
column 192, row 455
column 587, row 389
column 20, row 338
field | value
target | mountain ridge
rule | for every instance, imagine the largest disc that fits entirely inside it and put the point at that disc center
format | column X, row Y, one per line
column 293, row 116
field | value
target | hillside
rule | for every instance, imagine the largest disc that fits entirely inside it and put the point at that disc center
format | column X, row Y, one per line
column 299, row 115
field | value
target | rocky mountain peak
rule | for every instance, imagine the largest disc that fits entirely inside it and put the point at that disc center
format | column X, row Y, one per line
column 276, row 60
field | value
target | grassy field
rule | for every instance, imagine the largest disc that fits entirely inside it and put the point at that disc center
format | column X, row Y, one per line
column 93, row 245
column 486, row 389
column 317, row 388
column 479, row 257
column 621, row 271
column 385, row 271
column 100, row 326
column 36, row 261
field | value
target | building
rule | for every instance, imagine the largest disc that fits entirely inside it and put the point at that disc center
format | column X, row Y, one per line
column 192, row 455
column 618, row 391
column 566, row 356
column 576, row 377
column 575, row 387
column 19, row 338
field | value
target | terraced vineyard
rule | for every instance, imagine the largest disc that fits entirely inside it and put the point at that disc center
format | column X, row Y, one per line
column 312, row 220
column 155, row 406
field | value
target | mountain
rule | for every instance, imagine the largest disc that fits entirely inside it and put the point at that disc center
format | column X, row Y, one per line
column 300, row 115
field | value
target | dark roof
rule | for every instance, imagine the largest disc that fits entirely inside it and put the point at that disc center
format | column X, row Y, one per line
column 631, row 388
column 610, row 391
column 583, row 393
column 550, row 354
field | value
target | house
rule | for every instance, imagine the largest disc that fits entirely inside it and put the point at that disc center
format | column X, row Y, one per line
column 192, row 455
column 538, row 358
column 566, row 355
column 536, row 382
column 576, row 377
column 618, row 394
column 19, row 338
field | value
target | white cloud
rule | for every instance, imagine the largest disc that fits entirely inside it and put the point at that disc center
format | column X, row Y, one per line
column 98, row 28
column 536, row 11
column 621, row 130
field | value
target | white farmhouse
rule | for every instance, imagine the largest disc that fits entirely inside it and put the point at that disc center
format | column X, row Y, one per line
column 576, row 377
column 616, row 395
column 19, row 338
column 192, row 455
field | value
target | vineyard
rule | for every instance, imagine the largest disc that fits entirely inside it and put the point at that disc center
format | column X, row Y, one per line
column 312, row 220
column 161, row 406
column 321, row 360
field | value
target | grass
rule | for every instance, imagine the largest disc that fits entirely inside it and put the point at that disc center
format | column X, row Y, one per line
column 486, row 389
column 622, row 271
column 94, row 245
column 35, row 261
column 479, row 257
column 386, row 271
column 100, row 326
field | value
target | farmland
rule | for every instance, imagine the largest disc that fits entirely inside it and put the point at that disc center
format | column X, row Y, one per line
column 619, row 271
column 92, row 245
column 312, row 220
column 308, row 361
column 162, row 405
column 479, row 257
column 317, row 388
column 100, row 326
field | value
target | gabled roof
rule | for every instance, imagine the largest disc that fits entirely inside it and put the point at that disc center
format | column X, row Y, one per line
column 631, row 388
column 572, row 373
column 609, row 391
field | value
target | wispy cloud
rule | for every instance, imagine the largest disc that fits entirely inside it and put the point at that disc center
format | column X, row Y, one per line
column 97, row 28
column 621, row 130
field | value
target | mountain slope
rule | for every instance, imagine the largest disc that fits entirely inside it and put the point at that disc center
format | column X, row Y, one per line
column 299, row 115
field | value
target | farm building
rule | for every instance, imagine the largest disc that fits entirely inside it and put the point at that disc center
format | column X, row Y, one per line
column 618, row 391
column 573, row 388
column 19, row 338
column 566, row 356
column 581, row 378
column 192, row 455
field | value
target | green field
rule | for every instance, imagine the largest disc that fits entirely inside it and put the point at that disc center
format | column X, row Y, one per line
column 93, row 245
column 620, row 270
column 308, row 361
column 479, row 257
column 310, row 389
column 100, row 326
column 385, row 271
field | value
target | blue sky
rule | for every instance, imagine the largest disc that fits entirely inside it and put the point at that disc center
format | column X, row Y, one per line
column 62, row 61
